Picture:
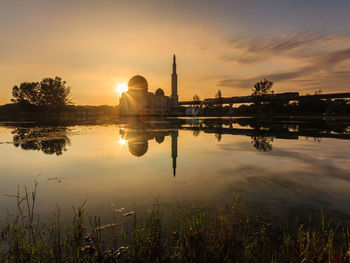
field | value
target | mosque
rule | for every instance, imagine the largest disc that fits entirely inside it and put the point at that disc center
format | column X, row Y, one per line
column 139, row 101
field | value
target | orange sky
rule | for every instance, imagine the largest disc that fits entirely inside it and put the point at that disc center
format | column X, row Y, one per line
column 230, row 45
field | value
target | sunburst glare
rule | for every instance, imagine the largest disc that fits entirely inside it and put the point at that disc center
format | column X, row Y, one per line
column 122, row 141
column 121, row 87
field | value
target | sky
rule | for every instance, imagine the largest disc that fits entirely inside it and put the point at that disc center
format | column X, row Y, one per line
column 300, row 45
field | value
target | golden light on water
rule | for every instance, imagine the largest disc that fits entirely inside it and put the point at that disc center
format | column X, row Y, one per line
column 122, row 141
column 121, row 87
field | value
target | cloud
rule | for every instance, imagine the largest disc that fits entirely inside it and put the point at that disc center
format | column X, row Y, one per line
column 301, row 61
column 321, row 71
column 252, row 50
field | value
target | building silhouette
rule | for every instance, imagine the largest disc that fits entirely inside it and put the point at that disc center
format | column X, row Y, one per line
column 139, row 101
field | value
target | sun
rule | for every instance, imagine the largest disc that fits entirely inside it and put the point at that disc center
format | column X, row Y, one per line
column 121, row 87
column 122, row 141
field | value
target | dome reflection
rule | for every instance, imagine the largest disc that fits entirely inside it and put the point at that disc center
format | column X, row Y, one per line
column 138, row 132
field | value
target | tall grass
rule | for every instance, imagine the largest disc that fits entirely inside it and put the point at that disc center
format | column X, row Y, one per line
column 196, row 234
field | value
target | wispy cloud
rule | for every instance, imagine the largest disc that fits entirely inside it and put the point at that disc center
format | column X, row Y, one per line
column 251, row 50
column 319, row 61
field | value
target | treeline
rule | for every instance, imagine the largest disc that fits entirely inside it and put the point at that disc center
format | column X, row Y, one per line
column 50, row 93
column 49, row 99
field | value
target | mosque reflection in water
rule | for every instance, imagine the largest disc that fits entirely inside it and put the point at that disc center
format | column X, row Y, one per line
column 137, row 133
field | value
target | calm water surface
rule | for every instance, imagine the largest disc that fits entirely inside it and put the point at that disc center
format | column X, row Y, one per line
column 280, row 170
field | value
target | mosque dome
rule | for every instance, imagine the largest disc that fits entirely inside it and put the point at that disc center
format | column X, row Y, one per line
column 138, row 148
column 159, row 92
column 159, row 138
column 138, row 83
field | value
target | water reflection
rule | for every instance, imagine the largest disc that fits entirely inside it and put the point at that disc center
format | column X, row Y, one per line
column 267, row 162
column 48, row 140
column 263, row 131
column 276, row 128
column 138, row 132
column 262, row 144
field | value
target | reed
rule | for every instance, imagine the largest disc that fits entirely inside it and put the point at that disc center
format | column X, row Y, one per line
column 194, row 234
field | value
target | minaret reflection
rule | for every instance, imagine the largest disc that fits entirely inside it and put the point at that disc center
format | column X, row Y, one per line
column 137, row 133
column 174, row 135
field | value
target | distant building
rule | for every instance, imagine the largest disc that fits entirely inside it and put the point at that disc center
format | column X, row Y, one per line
column 139, row 101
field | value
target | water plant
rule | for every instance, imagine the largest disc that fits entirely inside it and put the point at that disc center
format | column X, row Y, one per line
column 228, row 233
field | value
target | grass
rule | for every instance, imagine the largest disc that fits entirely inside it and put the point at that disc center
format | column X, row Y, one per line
column 197, row 234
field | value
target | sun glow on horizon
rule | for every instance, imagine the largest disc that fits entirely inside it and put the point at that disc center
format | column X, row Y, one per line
column 121, row 87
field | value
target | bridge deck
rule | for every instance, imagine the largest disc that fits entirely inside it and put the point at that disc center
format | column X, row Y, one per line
column 290, row 96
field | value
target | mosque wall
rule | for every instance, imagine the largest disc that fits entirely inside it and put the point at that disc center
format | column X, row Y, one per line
column 143, row 103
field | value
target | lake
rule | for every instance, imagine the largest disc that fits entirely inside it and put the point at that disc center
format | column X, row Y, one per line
column 283, row 169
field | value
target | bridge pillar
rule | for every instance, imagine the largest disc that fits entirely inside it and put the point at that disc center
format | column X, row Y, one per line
column 231, row 108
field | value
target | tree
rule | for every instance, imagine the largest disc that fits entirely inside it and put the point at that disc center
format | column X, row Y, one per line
column 218, row 95
column 51, row 92
column 54, row 92
column 262, row 87
column 196, row 98
column 26, row 94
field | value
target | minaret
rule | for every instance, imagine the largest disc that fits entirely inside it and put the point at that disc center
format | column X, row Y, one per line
column 174, row 96
column 174, row 136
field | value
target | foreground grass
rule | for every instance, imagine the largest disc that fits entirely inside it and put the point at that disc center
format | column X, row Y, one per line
column 225, row 234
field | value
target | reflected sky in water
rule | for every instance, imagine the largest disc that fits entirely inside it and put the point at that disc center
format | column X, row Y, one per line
column 280, row 171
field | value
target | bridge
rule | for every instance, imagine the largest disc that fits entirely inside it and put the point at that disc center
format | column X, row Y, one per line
column 288, row 96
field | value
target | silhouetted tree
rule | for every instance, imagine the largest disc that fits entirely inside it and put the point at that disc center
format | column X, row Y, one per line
column 51, row 92
column 262, row 87
column 54, row 92
column 218, row 94
column 26, row 94
column 196, row 98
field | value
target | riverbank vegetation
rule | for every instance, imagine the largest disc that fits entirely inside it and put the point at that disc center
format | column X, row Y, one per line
column 50, row 93
column 228, row 233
